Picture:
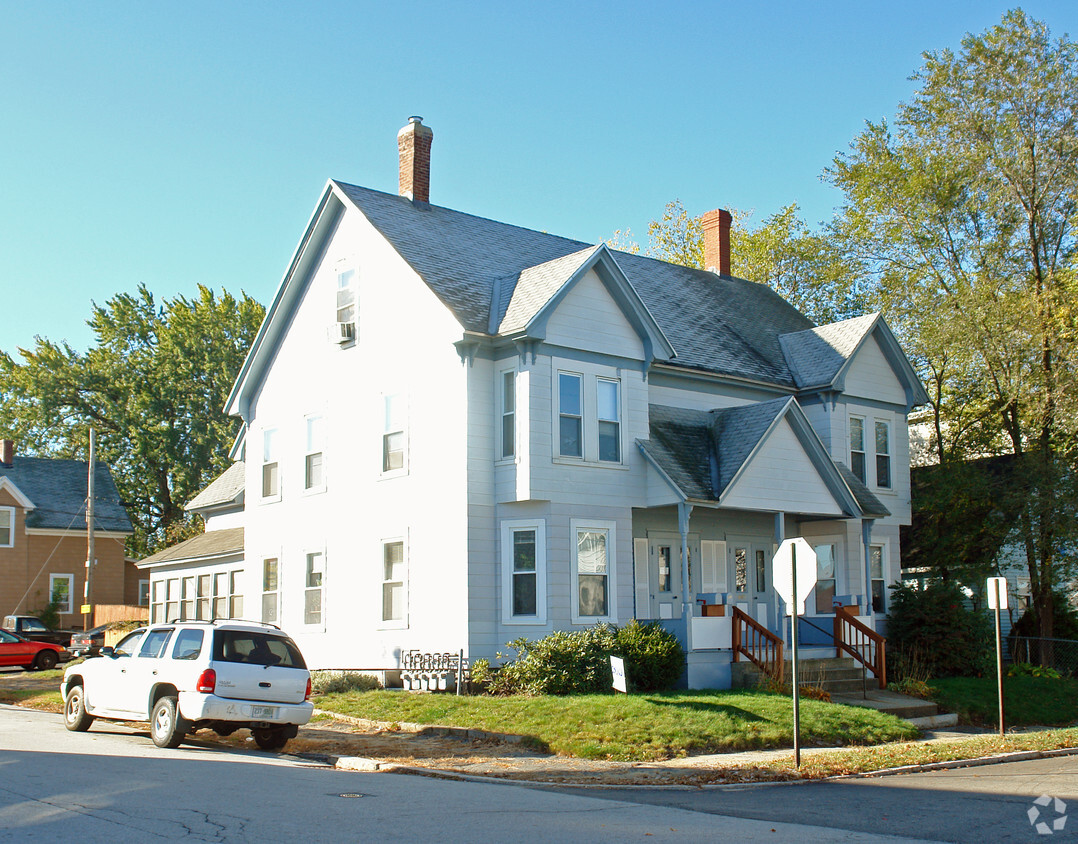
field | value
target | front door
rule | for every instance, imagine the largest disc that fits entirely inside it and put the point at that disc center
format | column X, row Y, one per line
column 664, row 582
column 750, row 565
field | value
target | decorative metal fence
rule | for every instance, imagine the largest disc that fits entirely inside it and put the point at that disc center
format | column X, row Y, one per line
column 1060, row 654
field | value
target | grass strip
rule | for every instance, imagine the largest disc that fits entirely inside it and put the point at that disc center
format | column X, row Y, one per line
column 645, row 727
column 49, row 701
column 1027, row 701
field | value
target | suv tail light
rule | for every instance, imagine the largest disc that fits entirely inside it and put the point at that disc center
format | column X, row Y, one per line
column 307, row 694
column 207, row 682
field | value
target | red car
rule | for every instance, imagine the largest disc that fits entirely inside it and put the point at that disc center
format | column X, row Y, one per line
column 15, row 650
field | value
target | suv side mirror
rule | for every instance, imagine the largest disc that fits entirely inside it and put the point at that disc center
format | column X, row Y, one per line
column 107, row 650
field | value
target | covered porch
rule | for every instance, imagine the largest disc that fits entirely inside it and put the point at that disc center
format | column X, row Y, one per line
column 725, row 488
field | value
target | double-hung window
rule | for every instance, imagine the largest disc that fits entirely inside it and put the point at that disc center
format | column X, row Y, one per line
column 347, row 324
column 593, row 570
column 394, row 434
column 314, row 470
column 7, row 527
column 187, row 608
column 608, row 406
column 271, row 482
column 857, row 447
column 271, row 594
column 205, row 597
column 883, row 454
column 509, row 414
column 570, row 415
column 524, row 572
column 879, row 593
column 60, row 588
column 394, row 584
column 313, row 590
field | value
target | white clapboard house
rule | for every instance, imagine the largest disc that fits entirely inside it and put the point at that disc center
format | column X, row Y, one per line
column 457, row 432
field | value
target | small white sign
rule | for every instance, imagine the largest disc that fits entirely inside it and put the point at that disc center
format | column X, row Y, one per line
column 997, row 593
column 617, row 668
column 782, row 568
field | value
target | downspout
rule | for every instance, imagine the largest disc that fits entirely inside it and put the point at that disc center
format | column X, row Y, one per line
column 866, row 538
column 780, row 537
column 684, row 510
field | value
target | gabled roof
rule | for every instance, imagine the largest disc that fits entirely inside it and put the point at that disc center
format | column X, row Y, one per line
column 701, row 454
column 56, row 488
column 820, row 357
column 225, row 490
column 205, row 546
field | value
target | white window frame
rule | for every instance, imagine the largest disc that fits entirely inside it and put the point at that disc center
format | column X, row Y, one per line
column 393, row 623
column 235, row 593
column 10, row 527
column 883, row 545
column 509, row 529
column 69, row 607
column 601, row 420
column 271, row 442
column 862, row 476
column 713, row 557
column 320, row 624
column 576, row 526
column 347, row 299
column 507, row 416
column 877, row 423
column 562, row 414
column 312, row 446
column 395, row 426
column 263, row 591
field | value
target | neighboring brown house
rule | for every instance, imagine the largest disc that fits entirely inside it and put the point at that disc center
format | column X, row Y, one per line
column 43, row 536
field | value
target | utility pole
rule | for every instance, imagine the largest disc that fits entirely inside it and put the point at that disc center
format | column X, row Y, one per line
column 87, row 588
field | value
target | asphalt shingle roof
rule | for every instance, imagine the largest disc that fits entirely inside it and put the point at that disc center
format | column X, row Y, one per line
column 716, row 323
column 227, row 488
column 817, row 354
column 738, row 430
column 215, row 543
column 57, row 487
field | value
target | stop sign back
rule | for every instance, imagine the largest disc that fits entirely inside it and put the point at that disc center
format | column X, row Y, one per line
column 783, row 568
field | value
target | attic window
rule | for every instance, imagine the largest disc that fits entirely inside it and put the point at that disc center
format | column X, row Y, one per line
column 7, row 527
column 346, row 305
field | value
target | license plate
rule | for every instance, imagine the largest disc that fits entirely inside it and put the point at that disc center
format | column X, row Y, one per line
column 263, row 711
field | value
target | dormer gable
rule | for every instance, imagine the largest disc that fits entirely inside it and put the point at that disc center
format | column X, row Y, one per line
column 21, row 499
column 568, row 300
column 854, row 353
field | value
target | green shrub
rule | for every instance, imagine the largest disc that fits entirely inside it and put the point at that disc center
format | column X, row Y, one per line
column 578, row 661
column 336, row 682
column 654, row 659
column 932, row 627
column 1025, row 669
column 1064, row 620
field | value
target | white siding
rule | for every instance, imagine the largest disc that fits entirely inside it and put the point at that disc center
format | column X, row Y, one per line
column 870, row 376
column 780, row 477
column 589, row 318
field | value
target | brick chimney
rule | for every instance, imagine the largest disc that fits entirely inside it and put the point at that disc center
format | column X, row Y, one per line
column 413, row 143
column 716, row 225
column 7, row 453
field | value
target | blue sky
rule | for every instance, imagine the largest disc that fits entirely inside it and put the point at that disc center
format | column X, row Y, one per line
column 184, row 143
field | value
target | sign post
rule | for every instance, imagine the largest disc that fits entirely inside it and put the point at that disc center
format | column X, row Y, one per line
column 997, row 600
column 794, row 571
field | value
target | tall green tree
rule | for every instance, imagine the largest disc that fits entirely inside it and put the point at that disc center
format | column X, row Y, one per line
column 805, row 267
column 963, row 210
column 152, row 386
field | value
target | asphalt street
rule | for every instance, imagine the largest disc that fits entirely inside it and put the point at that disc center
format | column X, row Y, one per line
column 112, row 784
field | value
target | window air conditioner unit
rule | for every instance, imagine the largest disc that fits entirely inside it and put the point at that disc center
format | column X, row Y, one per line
column 345, row 332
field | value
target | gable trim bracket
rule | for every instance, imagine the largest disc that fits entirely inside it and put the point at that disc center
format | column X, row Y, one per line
column 16, row 493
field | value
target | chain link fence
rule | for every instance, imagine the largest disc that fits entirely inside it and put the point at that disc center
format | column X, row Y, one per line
column 1060, row 654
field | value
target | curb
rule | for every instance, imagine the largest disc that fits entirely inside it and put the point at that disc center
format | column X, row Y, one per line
column 366, row 765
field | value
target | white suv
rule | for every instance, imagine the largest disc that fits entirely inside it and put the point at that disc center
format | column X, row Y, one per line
column 191, row 675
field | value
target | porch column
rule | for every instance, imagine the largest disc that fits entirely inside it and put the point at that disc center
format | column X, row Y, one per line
column 866, row 540
column 684, row 510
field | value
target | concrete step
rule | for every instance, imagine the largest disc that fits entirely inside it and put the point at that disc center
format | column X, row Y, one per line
column 893, row 703
column 845, row 686
column 833, row 662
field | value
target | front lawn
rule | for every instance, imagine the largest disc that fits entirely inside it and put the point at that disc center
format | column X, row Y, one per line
column 1027, row 701
column 634, row 727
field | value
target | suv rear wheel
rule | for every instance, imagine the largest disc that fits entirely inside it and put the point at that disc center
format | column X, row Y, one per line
column 166, row 728
column 269, row 738
column 76, row 718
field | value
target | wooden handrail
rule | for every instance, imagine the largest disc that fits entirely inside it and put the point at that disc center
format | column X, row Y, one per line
column 754, row 641
column 861, row 642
